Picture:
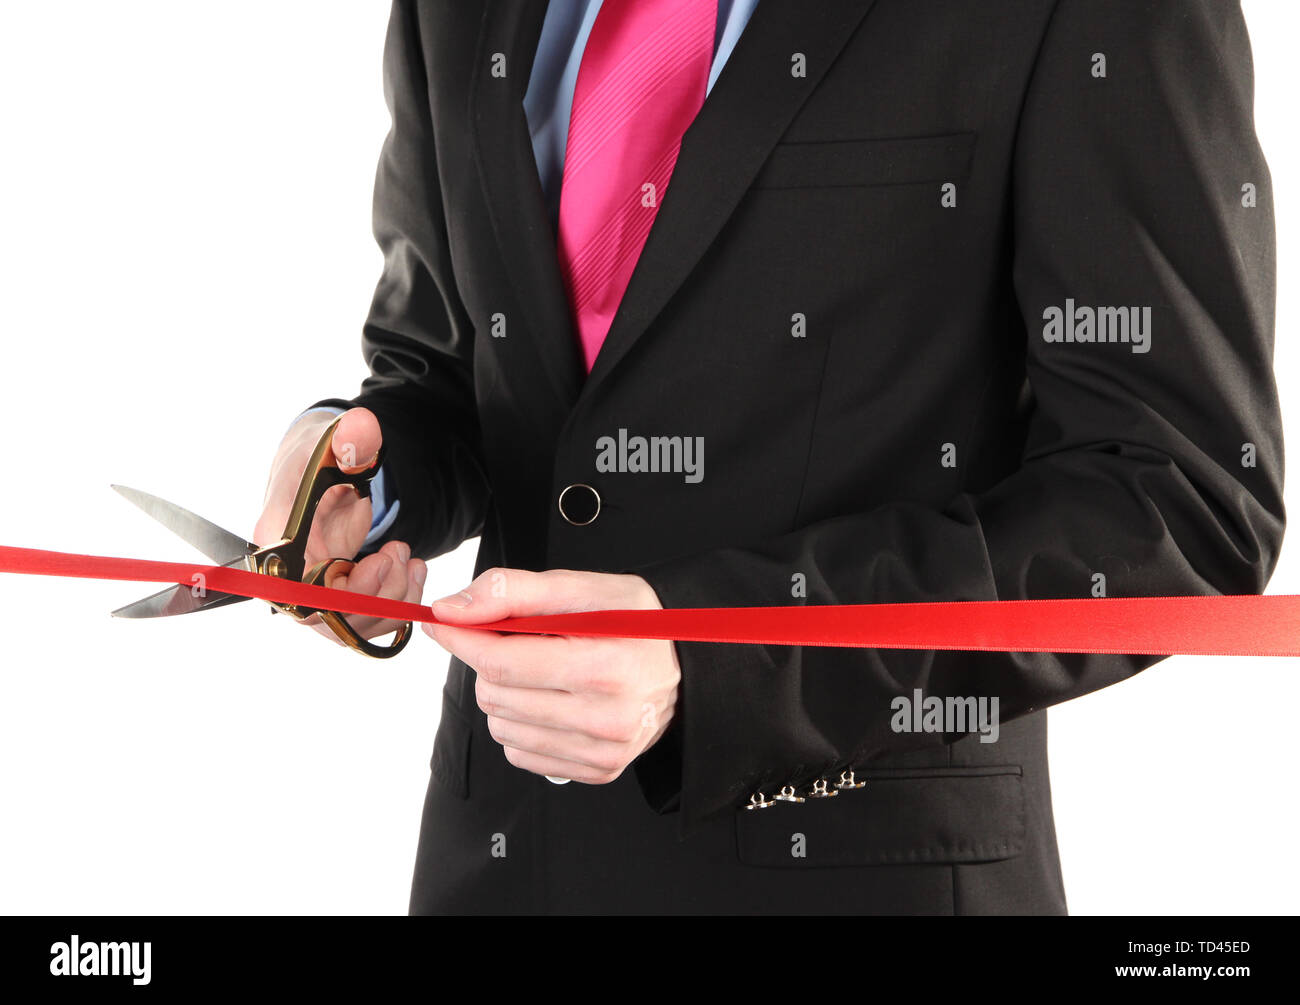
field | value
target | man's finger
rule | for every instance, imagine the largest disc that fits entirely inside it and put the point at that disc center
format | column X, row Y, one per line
column 560, row 744
column 389, row 573
column 370, row 576
column 412, row 575
column 598, row 719
column 554, row 709
column 554, row 767
column 536, row 661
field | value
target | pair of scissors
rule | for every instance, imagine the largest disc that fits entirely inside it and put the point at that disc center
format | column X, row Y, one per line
column 286, row 559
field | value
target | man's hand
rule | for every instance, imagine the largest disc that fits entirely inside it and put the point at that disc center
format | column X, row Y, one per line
column 563, row 706
column 342, row 519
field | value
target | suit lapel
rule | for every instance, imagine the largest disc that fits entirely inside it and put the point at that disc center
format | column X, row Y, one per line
column 507, row 170
column 750, row 107
column 744, row 116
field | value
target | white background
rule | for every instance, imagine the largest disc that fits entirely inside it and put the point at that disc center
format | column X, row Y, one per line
column 185, row 261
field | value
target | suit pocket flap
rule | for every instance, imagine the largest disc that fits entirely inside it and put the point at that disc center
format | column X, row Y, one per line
column 918, row 816
column 450, row 760
column 845, row 163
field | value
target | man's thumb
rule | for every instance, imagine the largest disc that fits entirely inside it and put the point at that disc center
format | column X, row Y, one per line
column 507, row 593
column 357, row 439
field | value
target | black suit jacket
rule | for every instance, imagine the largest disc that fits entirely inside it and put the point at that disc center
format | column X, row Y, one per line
column 920, row 440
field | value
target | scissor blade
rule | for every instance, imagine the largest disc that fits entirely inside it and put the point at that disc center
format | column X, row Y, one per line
column 219, row 545
column 176, row 600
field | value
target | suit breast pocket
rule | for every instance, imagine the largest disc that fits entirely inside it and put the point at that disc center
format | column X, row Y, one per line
column 868, row 162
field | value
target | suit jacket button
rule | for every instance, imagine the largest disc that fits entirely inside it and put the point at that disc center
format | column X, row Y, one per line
column 822, row 790
column 579, row 504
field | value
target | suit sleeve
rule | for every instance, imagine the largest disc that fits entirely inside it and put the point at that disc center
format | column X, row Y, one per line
column 418, row 339
column 1127, row 189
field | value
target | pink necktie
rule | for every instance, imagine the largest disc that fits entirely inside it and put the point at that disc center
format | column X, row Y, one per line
column 641, row 81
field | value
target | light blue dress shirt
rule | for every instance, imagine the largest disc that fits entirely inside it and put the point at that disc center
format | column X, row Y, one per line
column 547, row 104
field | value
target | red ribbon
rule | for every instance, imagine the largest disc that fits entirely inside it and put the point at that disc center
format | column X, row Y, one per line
column 1211, row 626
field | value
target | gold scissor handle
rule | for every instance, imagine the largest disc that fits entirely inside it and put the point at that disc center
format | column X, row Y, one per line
column 288, row 559
column 322, row 474
column 338, row 624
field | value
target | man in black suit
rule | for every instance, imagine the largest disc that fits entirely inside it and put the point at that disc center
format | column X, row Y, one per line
column 942, row 301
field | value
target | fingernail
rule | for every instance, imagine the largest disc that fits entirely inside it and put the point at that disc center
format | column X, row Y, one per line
column 385, row 567
column 460, row 599
column 420, row 574
column 403, row 552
